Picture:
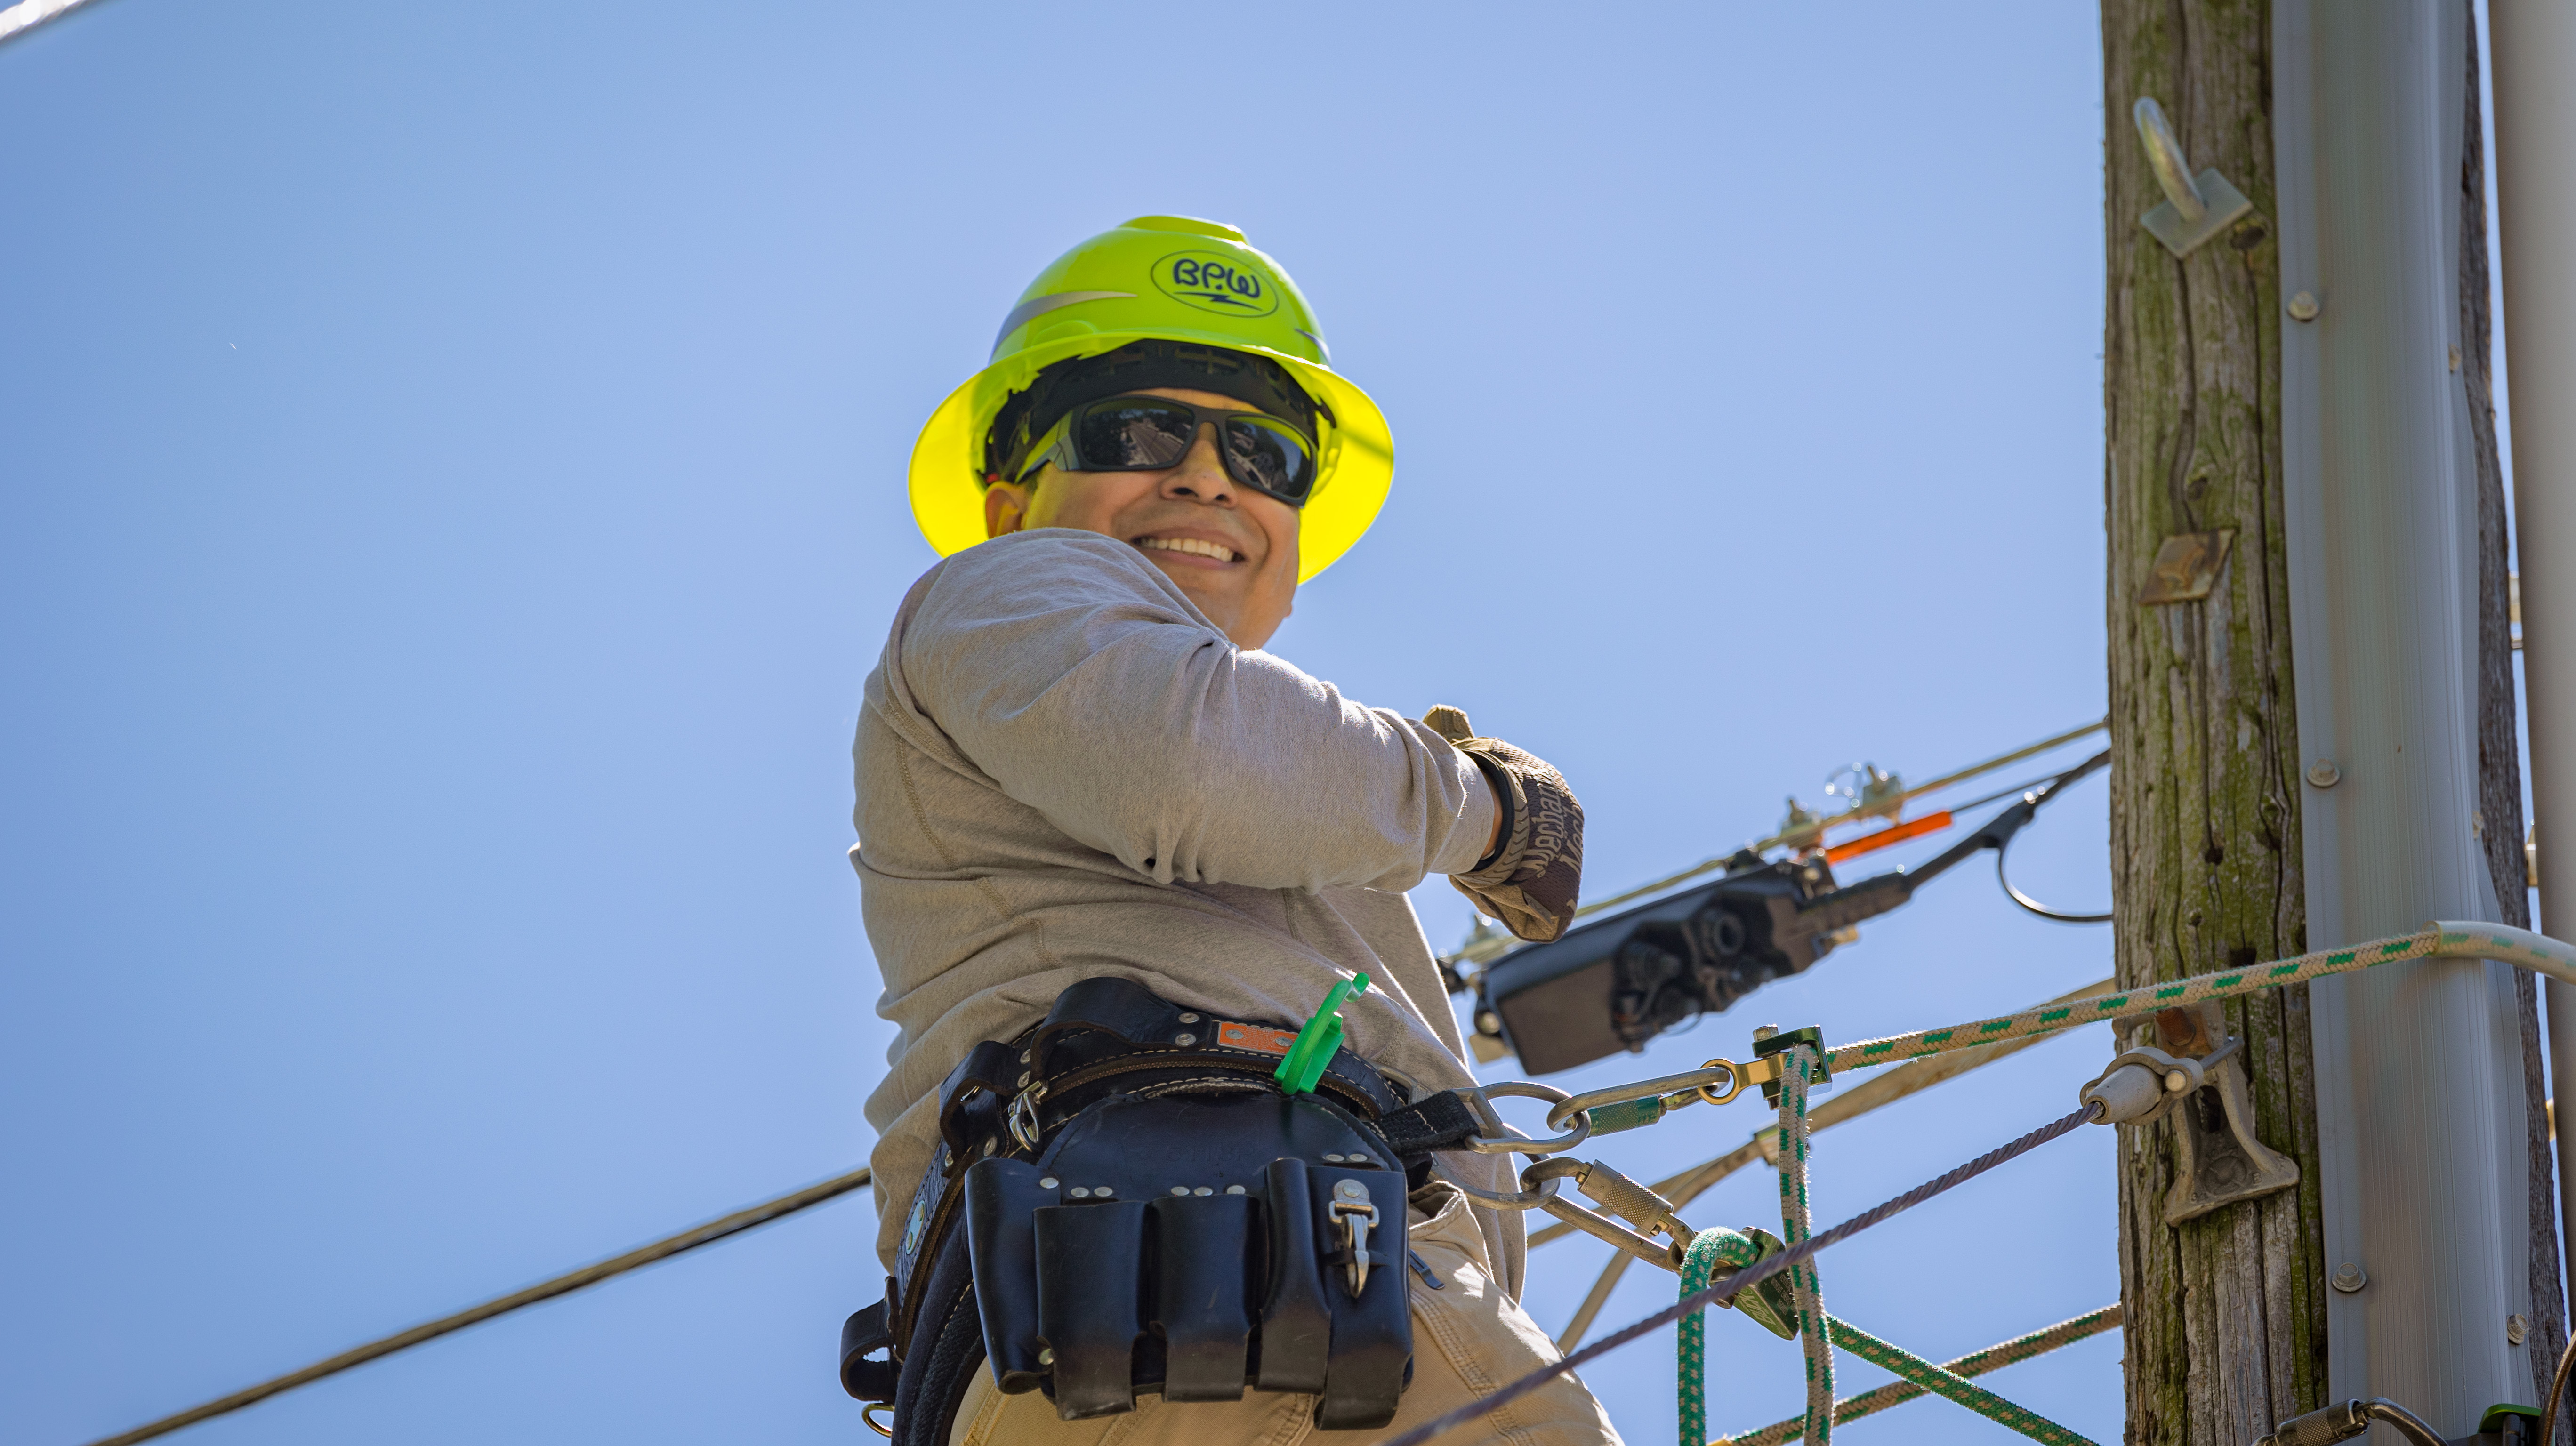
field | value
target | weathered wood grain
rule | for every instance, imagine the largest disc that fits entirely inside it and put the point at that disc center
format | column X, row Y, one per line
column 2226, row 1313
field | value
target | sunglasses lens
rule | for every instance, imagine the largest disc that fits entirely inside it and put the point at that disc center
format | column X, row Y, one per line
column 1134, row 434
column 1261, row 453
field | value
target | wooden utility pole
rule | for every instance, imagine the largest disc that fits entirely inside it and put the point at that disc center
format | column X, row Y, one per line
column 2225, row 1276
column 2225, row 1322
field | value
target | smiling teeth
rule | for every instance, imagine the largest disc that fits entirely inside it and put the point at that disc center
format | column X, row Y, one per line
column 1189, row 545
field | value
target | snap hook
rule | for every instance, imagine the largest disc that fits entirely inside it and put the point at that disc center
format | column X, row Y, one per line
column 2195, row 207
column 1352, row 1210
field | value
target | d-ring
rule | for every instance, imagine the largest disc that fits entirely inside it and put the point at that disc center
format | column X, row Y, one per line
column 1735, row 1073
column 1514, row 1142
column 868, row 1413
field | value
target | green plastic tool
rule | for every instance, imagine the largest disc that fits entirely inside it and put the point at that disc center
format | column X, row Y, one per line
column 1319, row 1040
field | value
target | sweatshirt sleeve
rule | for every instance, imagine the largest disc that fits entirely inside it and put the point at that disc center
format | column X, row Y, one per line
column 1084, row 683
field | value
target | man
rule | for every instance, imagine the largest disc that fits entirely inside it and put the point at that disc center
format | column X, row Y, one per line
column 1112, row 855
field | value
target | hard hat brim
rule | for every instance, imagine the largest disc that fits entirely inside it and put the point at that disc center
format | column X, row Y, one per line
column 1353, row 474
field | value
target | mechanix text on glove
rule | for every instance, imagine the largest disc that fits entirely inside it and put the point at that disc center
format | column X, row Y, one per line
column 1532, row 879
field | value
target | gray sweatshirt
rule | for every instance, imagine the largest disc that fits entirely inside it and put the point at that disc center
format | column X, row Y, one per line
column 1066, row 770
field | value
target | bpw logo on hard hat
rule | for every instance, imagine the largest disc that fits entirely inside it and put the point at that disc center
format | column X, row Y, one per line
column 1214, row 282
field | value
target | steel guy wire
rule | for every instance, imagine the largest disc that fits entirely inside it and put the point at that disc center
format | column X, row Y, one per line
column 26, row 15
column 1488, row 946
column 709, row 1233
column 1743, row 1279
column 2450, row 939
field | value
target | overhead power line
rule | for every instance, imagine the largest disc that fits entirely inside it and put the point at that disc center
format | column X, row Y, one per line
column 1488, row 944
column 26, row 15
column 663, row 1249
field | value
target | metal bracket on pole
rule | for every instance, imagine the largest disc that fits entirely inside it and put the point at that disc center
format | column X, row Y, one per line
column 2195, row 207
column 2223, row 1161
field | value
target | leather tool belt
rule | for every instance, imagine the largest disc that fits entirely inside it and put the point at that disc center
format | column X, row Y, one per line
column 1145, row 1209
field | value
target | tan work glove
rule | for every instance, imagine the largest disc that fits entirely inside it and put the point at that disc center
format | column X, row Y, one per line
column 1531, row 879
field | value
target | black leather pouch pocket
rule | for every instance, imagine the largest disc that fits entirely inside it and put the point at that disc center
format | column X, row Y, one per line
column 1191, row 1244
column 1091, row 1268
column 1372, row 1332
column 1296, row 1322
column 1001, row 1195
column 1203, row 1256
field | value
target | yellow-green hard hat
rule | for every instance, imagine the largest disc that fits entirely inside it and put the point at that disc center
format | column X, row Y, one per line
column 1176, row 279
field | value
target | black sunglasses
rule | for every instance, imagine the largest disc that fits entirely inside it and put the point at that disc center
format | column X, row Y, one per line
column 1148, row 434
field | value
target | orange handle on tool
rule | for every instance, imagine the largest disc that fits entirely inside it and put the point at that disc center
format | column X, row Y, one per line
column 1894, row 834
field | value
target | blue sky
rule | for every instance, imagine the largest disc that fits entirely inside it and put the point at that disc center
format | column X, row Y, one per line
column 451, row 494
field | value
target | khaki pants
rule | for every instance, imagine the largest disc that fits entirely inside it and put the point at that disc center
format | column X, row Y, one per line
column 1467, row 1340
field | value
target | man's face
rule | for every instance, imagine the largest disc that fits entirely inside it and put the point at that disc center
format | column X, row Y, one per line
column 1181, row 519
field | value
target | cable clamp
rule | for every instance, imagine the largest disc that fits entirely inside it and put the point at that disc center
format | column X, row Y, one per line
column 1767, row 1052
column 2141, row 1084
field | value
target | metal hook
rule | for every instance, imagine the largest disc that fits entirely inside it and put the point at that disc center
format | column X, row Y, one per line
column 1666, row 1257
column 1672, row 1090
column 1544, row 1187
column 1504, row 1140
column 2195, row 207
column 2164, row 155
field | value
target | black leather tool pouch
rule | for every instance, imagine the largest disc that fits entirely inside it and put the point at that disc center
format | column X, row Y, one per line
column 1109, row 1036
column 1196, row 1244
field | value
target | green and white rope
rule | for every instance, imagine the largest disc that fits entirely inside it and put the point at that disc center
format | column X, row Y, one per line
column 2445, row 940
column 1797, row 1222
column 1975, row 1363
column 1708, row 1250
column 1933, row 1378
column 1711, row 1248
column 2442, row 940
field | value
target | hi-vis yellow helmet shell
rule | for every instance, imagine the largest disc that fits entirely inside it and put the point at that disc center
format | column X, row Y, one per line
column 1176, row 279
